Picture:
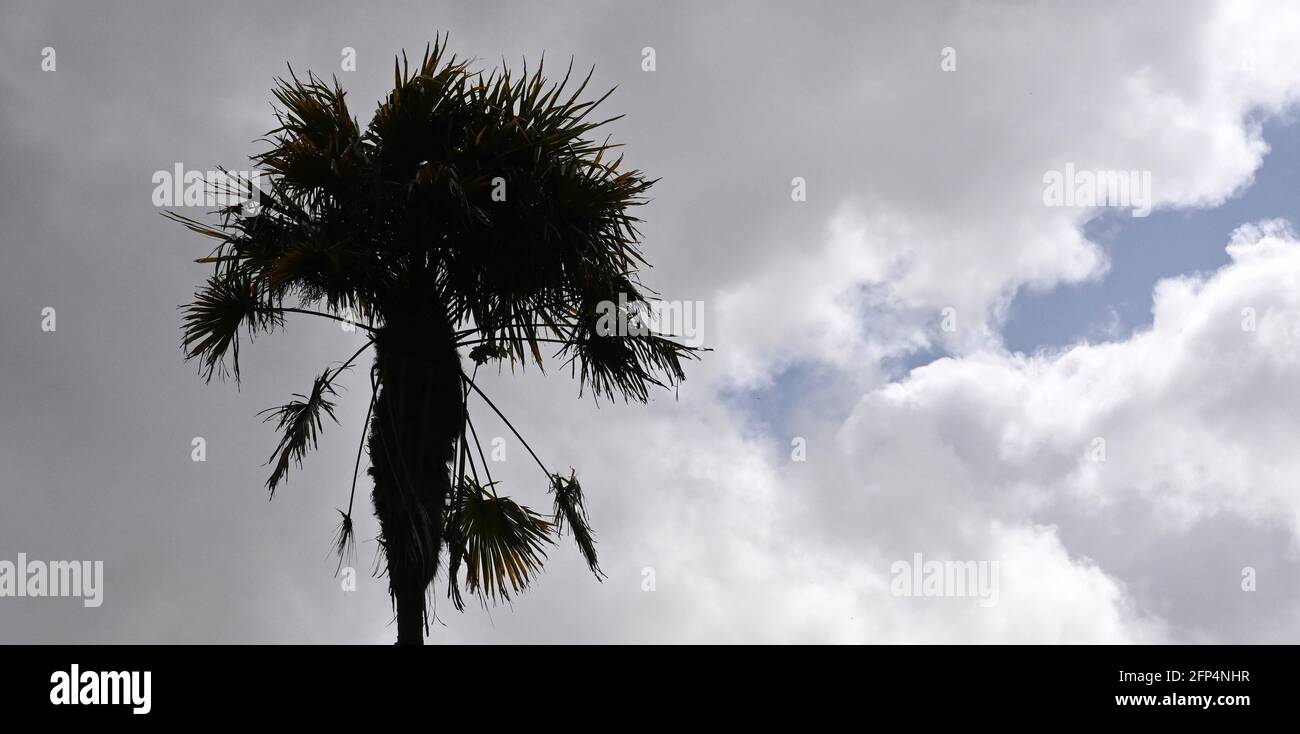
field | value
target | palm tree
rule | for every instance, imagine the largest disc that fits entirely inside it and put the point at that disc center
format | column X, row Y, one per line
column 473, row 214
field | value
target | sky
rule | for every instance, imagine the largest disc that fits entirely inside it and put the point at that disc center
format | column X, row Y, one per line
column 921, row 357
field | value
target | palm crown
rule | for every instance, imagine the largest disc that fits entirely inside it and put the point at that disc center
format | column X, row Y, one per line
column 473, row 213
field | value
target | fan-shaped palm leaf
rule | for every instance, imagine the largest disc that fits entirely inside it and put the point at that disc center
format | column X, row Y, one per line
column 504, row 543
column 213, row 321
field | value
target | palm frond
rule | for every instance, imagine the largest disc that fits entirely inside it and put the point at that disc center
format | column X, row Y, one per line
column 569, row 510
column 345, row 542
column 299, row 423
column 503, row 543
column 628, row 360
column 628, row 366
column 213, row 321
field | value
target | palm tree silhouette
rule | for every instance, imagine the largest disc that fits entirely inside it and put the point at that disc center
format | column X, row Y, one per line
column 473, row 213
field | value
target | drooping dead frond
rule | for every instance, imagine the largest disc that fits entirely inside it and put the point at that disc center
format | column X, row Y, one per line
column 569, row 510
column 299, row 423
column 345, row 544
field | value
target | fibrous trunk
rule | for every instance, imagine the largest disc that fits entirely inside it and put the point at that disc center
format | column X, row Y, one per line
column 417, row 423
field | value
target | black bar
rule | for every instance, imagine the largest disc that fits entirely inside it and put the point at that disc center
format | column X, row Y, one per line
column 249, row 683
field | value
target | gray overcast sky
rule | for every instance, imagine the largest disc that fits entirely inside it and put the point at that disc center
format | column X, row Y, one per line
column 961, row 434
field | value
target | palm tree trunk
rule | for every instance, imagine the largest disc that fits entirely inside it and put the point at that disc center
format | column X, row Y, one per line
column 417, row 422
column 410, row 617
